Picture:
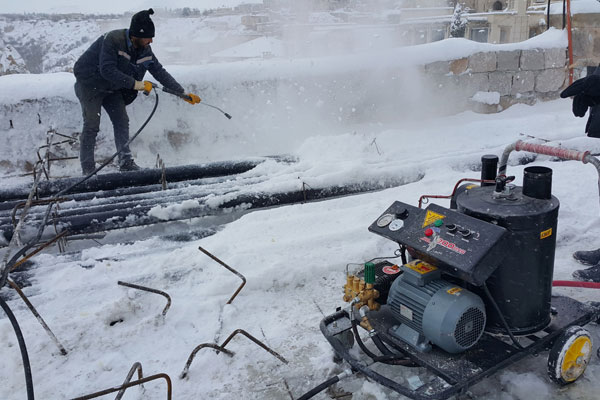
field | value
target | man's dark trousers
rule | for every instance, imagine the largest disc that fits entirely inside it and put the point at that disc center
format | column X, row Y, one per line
column 91, row 103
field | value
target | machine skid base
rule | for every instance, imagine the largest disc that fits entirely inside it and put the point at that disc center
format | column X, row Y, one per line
column 454, row 373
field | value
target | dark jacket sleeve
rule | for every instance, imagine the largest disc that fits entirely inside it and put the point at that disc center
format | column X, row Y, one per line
column 109, row 55
column 161, row 75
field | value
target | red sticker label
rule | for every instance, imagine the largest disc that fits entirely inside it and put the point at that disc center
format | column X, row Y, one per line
column 390, row 270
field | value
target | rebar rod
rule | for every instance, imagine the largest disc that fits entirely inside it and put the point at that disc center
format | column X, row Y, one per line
column 242, row 277
column 37, row 315
column 40, row 248
column 136, row 366
column 147, row 289
column 196, row 350
column 255, row 340
column 130, row 384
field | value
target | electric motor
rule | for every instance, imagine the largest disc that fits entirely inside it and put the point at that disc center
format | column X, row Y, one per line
column 431, row 309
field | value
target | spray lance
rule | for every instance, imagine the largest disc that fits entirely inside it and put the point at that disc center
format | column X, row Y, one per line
column 185, row 97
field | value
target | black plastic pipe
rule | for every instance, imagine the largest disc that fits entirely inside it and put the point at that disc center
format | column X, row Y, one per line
column 118, row 218
column 113, row 181
column 192, row 189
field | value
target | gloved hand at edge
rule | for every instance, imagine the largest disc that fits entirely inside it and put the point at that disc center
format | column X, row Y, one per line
column 145, row 86
column 581, row 102
column 192, row 98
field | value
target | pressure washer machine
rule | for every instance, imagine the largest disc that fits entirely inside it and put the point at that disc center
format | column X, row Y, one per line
column 472, row 295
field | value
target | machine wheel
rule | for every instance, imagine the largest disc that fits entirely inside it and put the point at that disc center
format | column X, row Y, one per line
column 569, row 355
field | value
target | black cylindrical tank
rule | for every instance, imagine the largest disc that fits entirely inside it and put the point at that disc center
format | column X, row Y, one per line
column 522, row 284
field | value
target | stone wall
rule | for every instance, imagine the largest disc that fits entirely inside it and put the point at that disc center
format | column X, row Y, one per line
column 517, row 76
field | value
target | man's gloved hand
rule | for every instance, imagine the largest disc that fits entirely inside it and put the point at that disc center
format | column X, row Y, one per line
column 574, row 88
column 145, row 86
column 192, row 98
column 581, row 102
column 586, row 92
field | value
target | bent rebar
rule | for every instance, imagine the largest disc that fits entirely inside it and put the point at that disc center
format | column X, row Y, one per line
column 136, row 366
column 196, row 350
column 255, row 340
column 222, row 348
column 130, row 384
column 230, row 269
column 147, row 289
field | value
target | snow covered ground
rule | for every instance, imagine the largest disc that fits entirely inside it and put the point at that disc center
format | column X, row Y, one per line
column 293, row 257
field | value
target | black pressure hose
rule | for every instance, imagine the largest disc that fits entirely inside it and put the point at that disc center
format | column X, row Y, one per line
column 319, row 389
column 22, row 347
column 391, row 359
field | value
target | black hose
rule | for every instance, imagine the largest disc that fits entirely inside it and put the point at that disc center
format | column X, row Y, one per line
column 361, row 344
column 499, row 312
column 318, row 389
column 390, row 359
column 22, row 347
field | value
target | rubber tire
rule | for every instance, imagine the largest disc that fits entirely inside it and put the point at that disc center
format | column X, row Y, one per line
column 556, row 358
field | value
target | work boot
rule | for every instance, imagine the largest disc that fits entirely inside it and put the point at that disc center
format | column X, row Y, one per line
column 591, row 274
column 87, row 169
column 591, row 257
column 129, row 165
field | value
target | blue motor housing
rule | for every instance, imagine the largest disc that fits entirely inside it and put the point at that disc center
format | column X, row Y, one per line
column 431, row 309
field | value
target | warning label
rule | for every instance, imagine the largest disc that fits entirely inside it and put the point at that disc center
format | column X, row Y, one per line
column 420, row 266
column 546, row 233
column 455, row 291
column 431, row 217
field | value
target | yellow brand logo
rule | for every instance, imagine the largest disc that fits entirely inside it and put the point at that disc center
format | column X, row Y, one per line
column 546, row 233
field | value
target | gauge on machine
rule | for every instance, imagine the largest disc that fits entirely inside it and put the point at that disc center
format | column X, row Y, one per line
column 396, row 224
column 385, row 220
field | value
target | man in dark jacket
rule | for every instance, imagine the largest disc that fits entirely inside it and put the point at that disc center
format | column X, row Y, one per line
column 109, row 75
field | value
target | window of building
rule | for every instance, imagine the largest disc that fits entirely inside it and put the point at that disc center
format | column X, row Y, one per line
column 533, row 32
column 479, row 35
column 504, row 34
column 438, row 34
column 497, row 6
column 420, row 36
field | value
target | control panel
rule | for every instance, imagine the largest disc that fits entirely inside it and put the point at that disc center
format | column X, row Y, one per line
column 460, row 245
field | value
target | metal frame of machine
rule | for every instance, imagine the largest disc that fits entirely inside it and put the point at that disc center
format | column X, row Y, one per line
column 417, row 322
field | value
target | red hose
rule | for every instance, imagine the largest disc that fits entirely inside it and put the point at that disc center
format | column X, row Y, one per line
column 590, row 285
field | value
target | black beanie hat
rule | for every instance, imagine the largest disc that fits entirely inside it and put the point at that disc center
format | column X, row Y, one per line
column 141, row 24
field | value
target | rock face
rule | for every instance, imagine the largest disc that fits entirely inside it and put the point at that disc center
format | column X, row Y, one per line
column 11, row 61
